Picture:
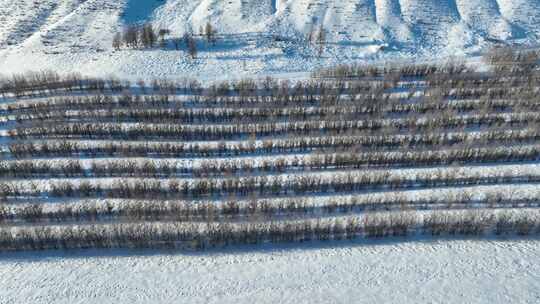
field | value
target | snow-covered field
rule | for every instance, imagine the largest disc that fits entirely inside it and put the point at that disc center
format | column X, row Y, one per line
column 498, row 263
column 457, row 271
column 294, row 167
column 76, row 35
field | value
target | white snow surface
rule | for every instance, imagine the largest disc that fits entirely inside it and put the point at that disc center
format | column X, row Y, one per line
column 76, row 35
column 457, row 271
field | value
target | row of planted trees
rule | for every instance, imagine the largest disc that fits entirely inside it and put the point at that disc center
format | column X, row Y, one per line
column 221, row 234
column 504, row 61
column 253, row 210
column 441, row 122
column 443, row 82
column 162, row 109
column 230, row 167
column 326, row 144
column 265, row 186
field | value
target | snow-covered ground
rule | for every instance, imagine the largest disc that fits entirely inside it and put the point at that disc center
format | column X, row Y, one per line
column 458, row 271
column 259, row 38
column 76, row 35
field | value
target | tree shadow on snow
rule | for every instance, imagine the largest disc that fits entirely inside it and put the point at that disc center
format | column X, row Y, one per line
column 266, row 248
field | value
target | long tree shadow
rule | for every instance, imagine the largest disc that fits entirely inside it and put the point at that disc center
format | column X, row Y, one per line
column 265, row 248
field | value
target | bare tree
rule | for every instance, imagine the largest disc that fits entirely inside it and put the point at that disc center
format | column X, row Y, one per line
column 131, row 36
column 162, row 34
column 148, row 36
column 321, row 40
column 191, row 44
column 117, row 41
column 177, row 43
column 311, row 35
column 210, row 33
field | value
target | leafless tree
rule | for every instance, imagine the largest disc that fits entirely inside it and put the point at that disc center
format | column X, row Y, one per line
column 148, row 36
column 191, row 44
column 210, row 33
column 131, row 36
column 163, row 33
column 117, row 41
column 321, row 40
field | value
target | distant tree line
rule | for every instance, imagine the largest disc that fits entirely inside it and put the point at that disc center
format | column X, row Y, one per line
column 138, row 36
column 146, row 36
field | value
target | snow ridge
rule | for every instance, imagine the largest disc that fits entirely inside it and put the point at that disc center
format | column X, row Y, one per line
column 77, row 34
column 427, row 23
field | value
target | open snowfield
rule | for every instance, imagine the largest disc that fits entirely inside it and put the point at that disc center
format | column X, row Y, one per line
column 458, row 271
column 260, row 37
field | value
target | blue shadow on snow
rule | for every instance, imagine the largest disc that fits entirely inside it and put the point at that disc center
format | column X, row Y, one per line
column 138, row 11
